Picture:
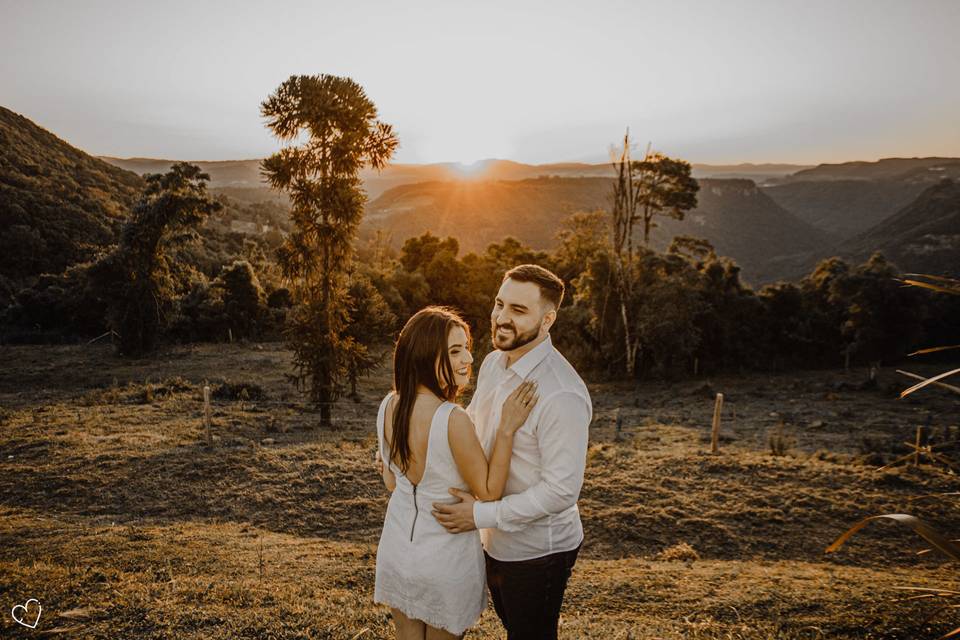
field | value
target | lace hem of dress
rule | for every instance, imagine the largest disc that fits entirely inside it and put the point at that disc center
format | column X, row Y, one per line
column 416, row 611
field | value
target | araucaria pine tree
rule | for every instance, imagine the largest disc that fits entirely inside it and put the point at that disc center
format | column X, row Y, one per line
column 337, row 127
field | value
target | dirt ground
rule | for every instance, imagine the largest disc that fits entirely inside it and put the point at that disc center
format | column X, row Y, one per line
column 120, row 518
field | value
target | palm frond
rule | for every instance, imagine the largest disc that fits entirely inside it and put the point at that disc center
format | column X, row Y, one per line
column 921, row 528
column 950, row 281
column 921, row 385
column 952, row 634
column 953, row 290
column 934, row 350
column 942, row 385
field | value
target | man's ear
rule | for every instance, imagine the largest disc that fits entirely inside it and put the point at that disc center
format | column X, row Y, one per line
column 548, row 319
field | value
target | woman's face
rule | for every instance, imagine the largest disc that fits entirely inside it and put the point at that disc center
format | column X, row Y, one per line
column 460, row 358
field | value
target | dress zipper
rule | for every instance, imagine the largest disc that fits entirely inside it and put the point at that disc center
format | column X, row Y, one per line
column 416, row 512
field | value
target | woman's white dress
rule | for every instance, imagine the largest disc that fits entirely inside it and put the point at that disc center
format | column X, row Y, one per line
column 423, row 570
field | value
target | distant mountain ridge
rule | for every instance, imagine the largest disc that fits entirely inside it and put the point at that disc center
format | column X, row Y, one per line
column 883, row 169
column 246, row 173
column 847, row 199
column 923, row 237
column 843, row 208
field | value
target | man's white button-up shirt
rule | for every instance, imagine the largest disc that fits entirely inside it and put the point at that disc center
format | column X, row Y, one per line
column 538, row 514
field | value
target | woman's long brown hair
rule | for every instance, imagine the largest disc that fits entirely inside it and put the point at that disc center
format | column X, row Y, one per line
column 423, row 339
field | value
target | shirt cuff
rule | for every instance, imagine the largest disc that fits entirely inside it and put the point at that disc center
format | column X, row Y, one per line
column 485, row 514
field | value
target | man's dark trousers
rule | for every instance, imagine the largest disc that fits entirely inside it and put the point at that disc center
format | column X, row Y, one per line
column 528, row 594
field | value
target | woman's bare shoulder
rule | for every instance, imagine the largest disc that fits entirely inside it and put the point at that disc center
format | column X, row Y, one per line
column 460, row 421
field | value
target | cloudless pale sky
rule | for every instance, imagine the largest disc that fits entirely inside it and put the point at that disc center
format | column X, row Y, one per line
column 722, row 82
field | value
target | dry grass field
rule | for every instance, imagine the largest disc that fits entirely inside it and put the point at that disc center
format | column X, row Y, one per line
column 119, row 518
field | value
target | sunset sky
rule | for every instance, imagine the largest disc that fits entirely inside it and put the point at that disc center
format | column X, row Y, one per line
column 718, row 82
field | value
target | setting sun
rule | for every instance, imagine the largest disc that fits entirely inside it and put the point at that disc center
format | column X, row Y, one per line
column 471, row 169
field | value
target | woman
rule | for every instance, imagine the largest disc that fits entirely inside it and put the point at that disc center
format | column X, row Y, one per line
column 434, row 581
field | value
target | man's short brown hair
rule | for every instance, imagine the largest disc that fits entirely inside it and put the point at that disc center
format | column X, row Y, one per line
column 551, row 287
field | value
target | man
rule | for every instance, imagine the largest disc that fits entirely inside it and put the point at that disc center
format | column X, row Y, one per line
column 532, row 536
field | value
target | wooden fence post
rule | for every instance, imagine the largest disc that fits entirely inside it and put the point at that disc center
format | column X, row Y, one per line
column 206, row 412
column 715, row 435
column 916, row 452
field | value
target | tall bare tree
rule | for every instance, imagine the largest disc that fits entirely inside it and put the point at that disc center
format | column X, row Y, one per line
column 340, row 134
column 624, row 215
column 656, row 185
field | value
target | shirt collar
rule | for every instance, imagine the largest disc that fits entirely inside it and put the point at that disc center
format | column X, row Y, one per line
column 532, row 358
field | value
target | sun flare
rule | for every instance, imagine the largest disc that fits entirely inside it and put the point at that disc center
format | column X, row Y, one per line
column 471, row 169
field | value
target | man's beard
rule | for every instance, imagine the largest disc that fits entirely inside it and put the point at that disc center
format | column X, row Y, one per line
column 518, row 340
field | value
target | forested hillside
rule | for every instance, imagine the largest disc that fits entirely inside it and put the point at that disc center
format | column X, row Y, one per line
column 62, row 211
column 847, row 199
column 734, row 215
column 58, row 205
column 922, row 237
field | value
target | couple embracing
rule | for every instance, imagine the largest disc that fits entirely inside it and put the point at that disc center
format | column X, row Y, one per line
column 484, row 496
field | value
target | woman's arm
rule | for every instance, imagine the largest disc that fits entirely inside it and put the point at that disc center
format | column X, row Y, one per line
column 487, row 480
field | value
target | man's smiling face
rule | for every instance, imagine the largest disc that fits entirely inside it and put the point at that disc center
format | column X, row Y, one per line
column 518, row 315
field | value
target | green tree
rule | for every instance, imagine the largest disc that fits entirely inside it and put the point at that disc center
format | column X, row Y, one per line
column 665, row 311
column 729, row 315
column 136, row 279
column 341, row 133
column 413, row 292
column 664, row 187
column 696, row 250
column 62, row 305
column 662, row 311
column 370, row 320
column 826, row 302
column 437, row 261
column 881, row 317
column 417, row 252
column 243, row 299
column 581, row 237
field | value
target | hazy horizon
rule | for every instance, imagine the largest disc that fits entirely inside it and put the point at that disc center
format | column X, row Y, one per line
column 547, row 162
column 720, row 84
column 484, row 160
